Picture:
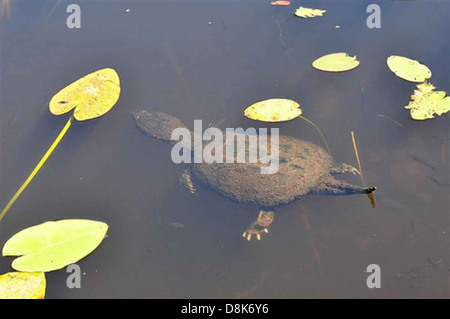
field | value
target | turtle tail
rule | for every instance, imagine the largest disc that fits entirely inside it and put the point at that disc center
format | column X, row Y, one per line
column 157, row 124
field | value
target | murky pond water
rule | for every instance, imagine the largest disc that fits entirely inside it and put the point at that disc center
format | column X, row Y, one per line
column 209, row 60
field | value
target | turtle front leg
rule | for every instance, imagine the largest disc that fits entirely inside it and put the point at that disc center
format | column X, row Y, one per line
column 260, row 225
column 344, row 168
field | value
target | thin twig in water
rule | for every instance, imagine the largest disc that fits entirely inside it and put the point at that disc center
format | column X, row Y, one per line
column 290, row 17
column 251, row 291
column 357, row 158
column 308, row 228
column 355, row 148
column 54, row 8
column 393, row 121
column 438, row 183
column 177, row 69
column 280, row 32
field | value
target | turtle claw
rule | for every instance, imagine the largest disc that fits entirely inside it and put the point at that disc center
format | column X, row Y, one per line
column 249, row 233
column 259, row 226
column 254, row 230
column 345, row 168
column 349, row 169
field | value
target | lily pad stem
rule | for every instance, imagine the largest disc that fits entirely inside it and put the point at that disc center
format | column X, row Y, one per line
column 318, row 130
column 37, row 168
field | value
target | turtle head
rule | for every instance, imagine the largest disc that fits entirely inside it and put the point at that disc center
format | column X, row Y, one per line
column 157, row 124
column 369, row 190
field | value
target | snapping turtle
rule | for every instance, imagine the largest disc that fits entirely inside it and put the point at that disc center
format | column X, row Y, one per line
column 304, row 168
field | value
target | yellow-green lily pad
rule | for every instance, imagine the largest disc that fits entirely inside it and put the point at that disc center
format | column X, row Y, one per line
column 92, row 96
column 54, row 245
column 408, row 69
column 22, row 285
column 309, row 12
column 273, row 110
column 426, row 102
column 336, row 62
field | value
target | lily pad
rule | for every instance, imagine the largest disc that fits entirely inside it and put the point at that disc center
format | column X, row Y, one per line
column 22, row 285
column 408, row 69
column 273, row 110
column 54, row 245
column 426, row 102
column 92, row 96
column 336, row 62
column 309, row 13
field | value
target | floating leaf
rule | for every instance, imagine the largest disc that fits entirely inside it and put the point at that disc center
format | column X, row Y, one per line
column 54, row 245
column 407, row 69
column 273, row 110
column 309, row 13
column 426, row 102
column 22, row 285
column 279, row 110
column 92, row 96
column 336, row 62
column 281, row 3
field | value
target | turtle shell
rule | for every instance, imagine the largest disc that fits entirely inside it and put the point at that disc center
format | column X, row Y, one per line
column 302, row 166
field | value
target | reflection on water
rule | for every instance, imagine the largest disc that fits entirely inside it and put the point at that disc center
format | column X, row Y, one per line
column 209, row 60
column 5, row 9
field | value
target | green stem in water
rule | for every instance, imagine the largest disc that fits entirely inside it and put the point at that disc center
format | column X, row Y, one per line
column 37, row 168
column 318, row 130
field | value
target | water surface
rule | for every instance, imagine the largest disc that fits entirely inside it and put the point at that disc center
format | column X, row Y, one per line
column 209, row 60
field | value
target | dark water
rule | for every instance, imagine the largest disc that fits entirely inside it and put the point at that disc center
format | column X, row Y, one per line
column 209, row 60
